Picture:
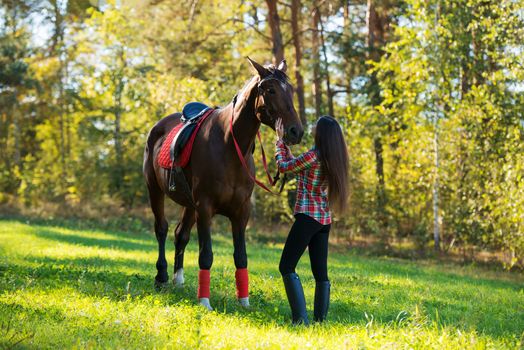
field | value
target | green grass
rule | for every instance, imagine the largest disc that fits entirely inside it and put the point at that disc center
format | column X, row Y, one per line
column 64, row 287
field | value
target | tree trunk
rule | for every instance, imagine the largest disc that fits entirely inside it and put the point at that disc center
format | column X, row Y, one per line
column 315, row 56
column 346, row 14
column 5, row 122
column 295, row 27
column 326, row 65
column 379, row 168
column 61, row 120
column 276, row 34
column 57, row 49
column 68, row 112
column 117, row 133
column 347, row 62
column 118, row 140
column 17, row 132
column 436, row 226
column 377, row 25
column 436, row 231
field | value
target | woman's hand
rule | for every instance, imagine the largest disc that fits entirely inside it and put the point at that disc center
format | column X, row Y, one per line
column 279, row 128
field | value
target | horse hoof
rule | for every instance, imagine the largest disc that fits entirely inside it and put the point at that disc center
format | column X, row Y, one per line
column 244, row 302
column 205, row 303
column 178, row 278
column 159, row 286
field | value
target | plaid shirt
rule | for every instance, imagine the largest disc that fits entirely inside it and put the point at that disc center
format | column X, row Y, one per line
column 312, row 185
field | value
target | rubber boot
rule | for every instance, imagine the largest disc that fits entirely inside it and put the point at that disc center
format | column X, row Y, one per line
column 322, row 290
column 295, row 296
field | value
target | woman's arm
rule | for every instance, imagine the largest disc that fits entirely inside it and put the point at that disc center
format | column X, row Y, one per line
column 287, row 163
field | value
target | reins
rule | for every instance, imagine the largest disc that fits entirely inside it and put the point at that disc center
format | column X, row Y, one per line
column 243, row 160
column 241, row 156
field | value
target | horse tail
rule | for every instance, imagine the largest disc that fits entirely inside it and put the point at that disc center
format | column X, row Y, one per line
column 152, row 138
column 159, row 130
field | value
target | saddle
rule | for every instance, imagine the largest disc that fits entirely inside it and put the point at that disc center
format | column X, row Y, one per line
column 178, row 144
column 193, row 110
column 191, row 114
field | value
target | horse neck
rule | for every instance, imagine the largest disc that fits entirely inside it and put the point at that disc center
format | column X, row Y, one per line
column 245, row 122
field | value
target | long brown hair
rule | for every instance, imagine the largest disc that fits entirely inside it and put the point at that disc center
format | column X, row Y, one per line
column 334, row 160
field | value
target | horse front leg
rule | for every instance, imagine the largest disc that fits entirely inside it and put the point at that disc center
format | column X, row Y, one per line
column 205, row 256
column 238, row 226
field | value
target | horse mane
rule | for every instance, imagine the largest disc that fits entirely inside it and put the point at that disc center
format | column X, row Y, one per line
column 243, row 95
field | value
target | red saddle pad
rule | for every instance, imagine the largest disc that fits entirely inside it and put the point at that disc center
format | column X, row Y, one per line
column 164, row 156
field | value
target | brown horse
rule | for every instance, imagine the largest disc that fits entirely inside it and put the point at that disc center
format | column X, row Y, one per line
column 218, row 181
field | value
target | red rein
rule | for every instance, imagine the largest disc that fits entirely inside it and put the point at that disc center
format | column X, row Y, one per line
column 243, row 160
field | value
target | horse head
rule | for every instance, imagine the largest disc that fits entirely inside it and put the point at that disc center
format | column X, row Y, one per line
column 275, row 100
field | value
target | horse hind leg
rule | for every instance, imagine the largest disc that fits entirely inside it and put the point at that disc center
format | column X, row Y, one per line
column 182, row 233
column 156, row 198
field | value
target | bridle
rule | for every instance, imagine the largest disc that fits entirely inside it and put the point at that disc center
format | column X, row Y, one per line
column 260, row 92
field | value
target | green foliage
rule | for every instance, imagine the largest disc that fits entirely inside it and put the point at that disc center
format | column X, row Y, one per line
column 454, row 75
column 64, row 287
column 78, row 98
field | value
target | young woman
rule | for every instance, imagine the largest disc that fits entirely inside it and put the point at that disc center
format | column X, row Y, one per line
column 322, row 177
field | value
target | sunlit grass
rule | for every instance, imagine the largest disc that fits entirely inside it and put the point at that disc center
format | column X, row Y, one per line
column 62, row 287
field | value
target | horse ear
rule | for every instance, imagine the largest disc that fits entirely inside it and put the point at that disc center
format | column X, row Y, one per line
column 282, row 66
column 262, row 72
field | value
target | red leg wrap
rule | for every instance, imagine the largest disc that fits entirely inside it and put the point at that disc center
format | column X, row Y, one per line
column 242, row 280
column 203, row 284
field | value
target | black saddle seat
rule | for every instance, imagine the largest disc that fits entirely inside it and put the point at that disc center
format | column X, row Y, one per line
column 192, row 111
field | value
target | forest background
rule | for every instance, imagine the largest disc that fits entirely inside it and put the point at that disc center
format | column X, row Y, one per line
column 430, row 95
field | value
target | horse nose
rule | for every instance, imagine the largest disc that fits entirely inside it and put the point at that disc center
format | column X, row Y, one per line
column 295, row 133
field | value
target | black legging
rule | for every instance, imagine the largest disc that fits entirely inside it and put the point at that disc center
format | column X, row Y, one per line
column 306, row 232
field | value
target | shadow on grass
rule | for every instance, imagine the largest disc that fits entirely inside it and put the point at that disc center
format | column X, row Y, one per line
column 417, row 272
column 339, row 264
column 140, row 244
column 111, row 278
